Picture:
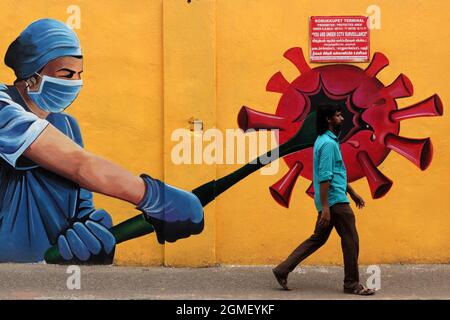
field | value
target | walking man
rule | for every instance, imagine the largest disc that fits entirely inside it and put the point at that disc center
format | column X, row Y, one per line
column 332, row 203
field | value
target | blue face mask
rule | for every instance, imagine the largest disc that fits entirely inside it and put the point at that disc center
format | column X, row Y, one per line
column 54, row 94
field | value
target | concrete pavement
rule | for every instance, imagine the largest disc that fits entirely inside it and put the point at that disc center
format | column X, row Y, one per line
column 39, row 281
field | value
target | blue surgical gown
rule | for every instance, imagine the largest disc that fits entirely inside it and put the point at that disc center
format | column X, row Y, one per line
column 36, row 205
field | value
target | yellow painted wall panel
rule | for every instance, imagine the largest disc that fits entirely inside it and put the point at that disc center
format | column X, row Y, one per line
column 189, row 92
column 410, row 224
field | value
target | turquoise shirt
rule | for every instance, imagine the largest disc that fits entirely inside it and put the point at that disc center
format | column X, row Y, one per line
column 329, row 166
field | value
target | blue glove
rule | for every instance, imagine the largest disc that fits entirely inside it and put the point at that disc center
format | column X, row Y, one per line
column 174, row 213
column 87, row 237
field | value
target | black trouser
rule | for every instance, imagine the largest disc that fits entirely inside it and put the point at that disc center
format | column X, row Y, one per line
column 343, row 219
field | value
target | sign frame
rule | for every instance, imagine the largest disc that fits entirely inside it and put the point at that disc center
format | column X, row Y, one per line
column 327, row 59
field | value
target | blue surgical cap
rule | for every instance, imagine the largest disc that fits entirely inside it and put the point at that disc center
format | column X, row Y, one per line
column 41, row 42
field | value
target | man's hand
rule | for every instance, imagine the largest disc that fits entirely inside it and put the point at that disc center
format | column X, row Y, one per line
column 359, row 201
column 325, row 217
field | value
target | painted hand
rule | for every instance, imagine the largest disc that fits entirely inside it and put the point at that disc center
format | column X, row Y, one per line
column 87, row 237
column 174, row 213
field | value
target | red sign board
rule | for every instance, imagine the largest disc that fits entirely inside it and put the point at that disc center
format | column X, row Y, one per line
column 339, row 38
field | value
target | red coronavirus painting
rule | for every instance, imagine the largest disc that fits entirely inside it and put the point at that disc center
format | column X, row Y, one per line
column 371, row 126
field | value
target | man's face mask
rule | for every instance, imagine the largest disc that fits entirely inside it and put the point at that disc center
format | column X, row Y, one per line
column 54, row 94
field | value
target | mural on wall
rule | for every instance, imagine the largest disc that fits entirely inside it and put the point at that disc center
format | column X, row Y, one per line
column 371, row 126
column 43, row 213
column 43, row 206
column 38, row 207
column 370, row 132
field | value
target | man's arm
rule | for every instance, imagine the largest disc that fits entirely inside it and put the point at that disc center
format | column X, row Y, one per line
column 55, row 152
column 325, row 176
column 350, row 190
column 359, row 201
column 325, row 216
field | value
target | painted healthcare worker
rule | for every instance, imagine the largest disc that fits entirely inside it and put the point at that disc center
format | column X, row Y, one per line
column 46, row 177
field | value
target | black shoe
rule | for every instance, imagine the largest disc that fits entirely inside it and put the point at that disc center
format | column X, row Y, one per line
column 282, row 280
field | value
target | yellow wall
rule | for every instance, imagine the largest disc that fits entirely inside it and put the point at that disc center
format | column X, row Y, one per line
column 411, row 223
column 150, row 65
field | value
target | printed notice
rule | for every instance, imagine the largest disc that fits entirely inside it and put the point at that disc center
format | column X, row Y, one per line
column 339, row 38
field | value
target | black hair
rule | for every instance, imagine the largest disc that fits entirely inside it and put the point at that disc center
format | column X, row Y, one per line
column 324, row 111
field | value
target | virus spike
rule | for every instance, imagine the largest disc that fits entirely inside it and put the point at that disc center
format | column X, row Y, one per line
column 401, row 87
column 296, row 56
column 252, row 119
column 379, row 184
column 427, row 108
column 277, row 83
column 418, row 151
column 281, row 191
column 379, row 61
column 310, row 190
